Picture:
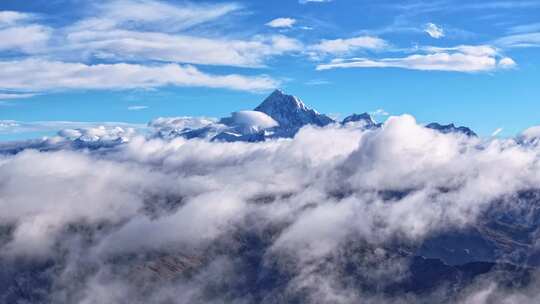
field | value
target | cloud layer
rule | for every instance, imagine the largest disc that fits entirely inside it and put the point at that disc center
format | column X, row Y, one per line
column 195, row 221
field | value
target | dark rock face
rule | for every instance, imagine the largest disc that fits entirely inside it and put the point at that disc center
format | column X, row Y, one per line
column 451, row 128
column 507, row 232
column 291, row 113
column 257, row 275
column 238, row 137
column 364, row 119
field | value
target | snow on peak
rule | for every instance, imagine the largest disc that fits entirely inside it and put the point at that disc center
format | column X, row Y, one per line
column 530, row 136
column 363, row 120
column 451, row 128
column 291, row 113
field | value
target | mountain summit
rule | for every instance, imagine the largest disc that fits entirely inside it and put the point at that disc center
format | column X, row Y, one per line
column 291, row 113
column 279, row 116
column 365, row 120
column 451, row 128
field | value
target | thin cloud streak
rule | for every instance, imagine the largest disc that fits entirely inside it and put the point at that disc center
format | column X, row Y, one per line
column 462, row 58
column 40, row 75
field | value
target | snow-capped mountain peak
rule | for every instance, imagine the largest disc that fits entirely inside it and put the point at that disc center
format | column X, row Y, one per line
column 291, row 113
column 279, row 99
column 363, row 120
column 451, row 128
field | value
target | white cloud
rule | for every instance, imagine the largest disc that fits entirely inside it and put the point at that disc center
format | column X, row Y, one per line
column 122, row 44
column 317, row 82
column 525, row 28
column 152, row 15
column 435, row 6
column 13, row 17
column 282, row 23
column 520, row 40
column 18, row 34
column 4, row 96
column 29, row 39
column 500, row 5
column 507, row 63
column 462, row 58
column 137, row 36
column 13, row 127
column 41, row 75
column 475, row 50
column 342, row 46
column 300, row 207
column 379, row 112
column 434, row 30
column 121, row 31
column 497, row 131
column 137, row 108
column 313, row 1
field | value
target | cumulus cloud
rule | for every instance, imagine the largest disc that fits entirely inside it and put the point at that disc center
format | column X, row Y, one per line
column 462, row 58
column 434, row 30
column 282, row 220
column 282, row 23
column 35, row 75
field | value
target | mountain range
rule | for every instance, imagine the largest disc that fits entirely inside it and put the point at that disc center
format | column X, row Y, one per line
column 281, row 116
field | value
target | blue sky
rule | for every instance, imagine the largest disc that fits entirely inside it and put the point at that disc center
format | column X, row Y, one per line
column 475, row 63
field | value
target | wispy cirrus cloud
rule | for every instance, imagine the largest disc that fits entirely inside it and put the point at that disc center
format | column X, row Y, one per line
column 7, row 96
column 152, row 15
column 132, row 45
column 462, row 58
column 525, row 28
column 452, row 5
column 120, row 31
column 137, row 108
column 36, row 75
column 499, row 4
column 313, row 1
column 520, row 40
column 134, row 36
column 497, row 131
column 344, row 46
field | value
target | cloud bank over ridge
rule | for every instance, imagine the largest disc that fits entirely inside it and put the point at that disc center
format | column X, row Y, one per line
column 192, row 221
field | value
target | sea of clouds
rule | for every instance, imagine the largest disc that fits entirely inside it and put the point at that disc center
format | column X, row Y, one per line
column 269, row 222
